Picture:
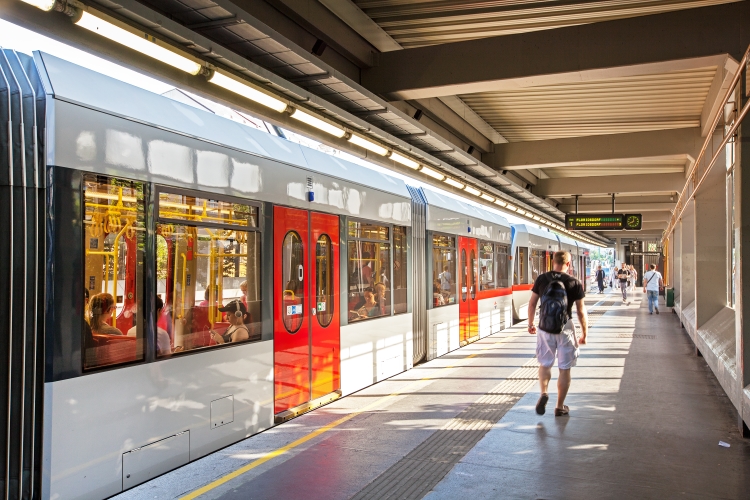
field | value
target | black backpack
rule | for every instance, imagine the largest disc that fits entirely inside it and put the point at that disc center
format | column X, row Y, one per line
column 553, row 310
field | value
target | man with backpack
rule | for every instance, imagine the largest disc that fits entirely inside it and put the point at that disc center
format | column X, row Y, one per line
column 556, row 336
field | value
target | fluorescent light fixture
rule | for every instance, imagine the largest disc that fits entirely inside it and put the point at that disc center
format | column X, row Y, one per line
column 500, row 202
column 368, row 145
column 432, row 173
column 521, row 212
column 487, row 197
column 403, row 160
column 232, row 85
column 143, row 43
column 319, row 124
column 41, row 4
column 454, row 183
column 472, row 190
column 511, row 208
column 536, row 217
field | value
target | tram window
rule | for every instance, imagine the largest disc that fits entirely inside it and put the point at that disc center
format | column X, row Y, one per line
column 519, row 271
column 464, row 275
column 486, row 265
column 400, row 291
column 538, row 263
column 211, row 283
column 443, row 270
column 370, row 231
column 196, row 209
column 501, row 265
column 293, row 274
column 369, row 271
column 472, row 274
column 113, row 223
column 324, row 285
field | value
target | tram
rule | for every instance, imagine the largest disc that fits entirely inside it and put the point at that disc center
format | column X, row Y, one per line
column 191, row 281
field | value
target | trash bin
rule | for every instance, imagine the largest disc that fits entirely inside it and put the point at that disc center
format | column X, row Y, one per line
column 670, row 297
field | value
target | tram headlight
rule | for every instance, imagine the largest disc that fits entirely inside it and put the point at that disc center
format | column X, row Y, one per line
column 142, row 42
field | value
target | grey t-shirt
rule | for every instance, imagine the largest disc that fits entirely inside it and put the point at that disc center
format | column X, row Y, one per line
column 651, row 281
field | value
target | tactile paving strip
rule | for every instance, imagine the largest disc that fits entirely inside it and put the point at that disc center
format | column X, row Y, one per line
column 417, row 473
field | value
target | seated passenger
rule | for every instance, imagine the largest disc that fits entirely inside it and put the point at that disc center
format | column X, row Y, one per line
column 369, row 307
column 163, row 342
column 101, row 308
column 238, row 320
column 380, row 297
column 243, row 289
column 204, row 302
column 437, row 296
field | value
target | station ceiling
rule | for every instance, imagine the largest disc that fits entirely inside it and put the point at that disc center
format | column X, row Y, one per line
column 538, row 101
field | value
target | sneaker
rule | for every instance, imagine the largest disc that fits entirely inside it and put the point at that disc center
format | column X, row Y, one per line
column 657, row 310
column 651, row 313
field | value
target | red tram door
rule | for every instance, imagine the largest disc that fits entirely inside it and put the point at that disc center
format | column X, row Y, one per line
column 468, row 308
column 306, row 319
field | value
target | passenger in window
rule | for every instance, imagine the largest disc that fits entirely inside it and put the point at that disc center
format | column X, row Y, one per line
column 445, row 280
column 369, row 307
column 437, row 296
column 238, row 319
column 101, row 308
column 380, row 297
column 163, row 342
column 206, row 295
column 484, row 277
column 243, row 289
column 366, row 269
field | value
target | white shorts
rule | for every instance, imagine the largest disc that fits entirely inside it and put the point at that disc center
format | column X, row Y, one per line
column 563, row 345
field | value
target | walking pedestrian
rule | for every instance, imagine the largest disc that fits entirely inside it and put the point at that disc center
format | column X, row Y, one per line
column 600, row 279
column 623, row 275
column 556, row 335
column 652, row 284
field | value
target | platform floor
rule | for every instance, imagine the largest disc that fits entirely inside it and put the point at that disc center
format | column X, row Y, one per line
column 646, row 419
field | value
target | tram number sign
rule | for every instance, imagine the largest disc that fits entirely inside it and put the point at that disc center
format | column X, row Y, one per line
column 608, row 222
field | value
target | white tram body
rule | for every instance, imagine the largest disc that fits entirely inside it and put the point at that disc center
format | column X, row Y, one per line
column 105, row 431
column 319, row 277
column 454, row 316
column 532, row 252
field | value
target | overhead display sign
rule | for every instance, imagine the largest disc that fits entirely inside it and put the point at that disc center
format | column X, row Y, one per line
column 605, row 222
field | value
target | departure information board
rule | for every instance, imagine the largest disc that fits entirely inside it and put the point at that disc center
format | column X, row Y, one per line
column 608, row 222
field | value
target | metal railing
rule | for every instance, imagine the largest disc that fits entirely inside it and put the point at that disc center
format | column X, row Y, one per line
column 704, row 163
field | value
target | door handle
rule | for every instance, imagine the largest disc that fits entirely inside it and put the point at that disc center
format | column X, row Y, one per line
column 300, row 273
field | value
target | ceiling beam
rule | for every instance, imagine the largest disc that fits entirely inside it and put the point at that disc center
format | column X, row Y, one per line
column 595, row 149
column 571, row 186
column 439, row 111
column 596, row 51
column 714, row 100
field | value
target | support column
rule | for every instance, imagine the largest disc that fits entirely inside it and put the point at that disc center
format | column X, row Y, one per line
column 711, row 242
column 687, row 274
column 742, row 269
column 677, row 265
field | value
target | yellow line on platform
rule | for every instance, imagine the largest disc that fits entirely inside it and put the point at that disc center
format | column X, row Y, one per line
column 317, row 432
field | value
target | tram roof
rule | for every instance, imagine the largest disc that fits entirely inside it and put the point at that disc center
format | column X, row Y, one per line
column 69, row 82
